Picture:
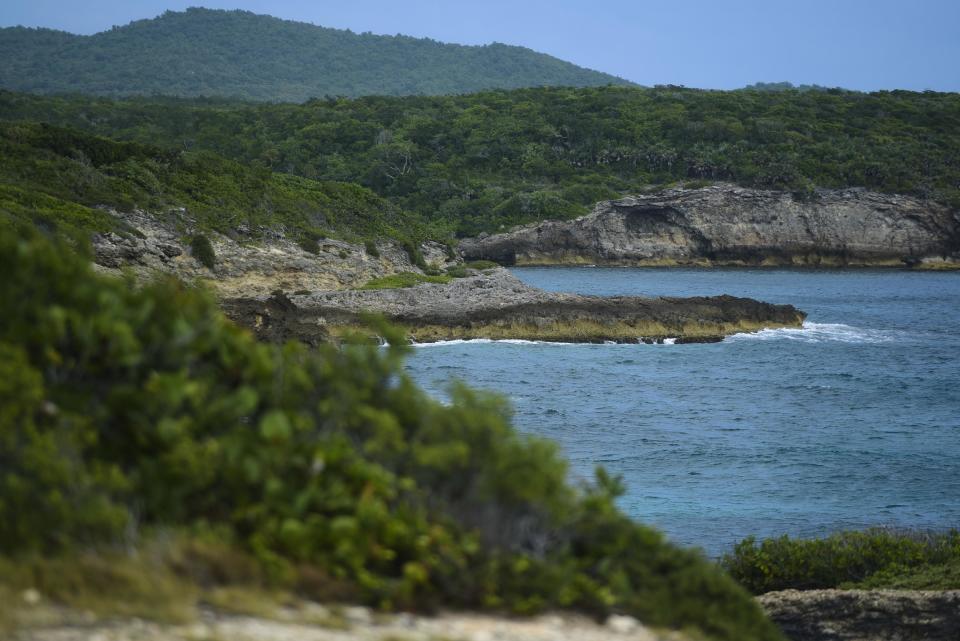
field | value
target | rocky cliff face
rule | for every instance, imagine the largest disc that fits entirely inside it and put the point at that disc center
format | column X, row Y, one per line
column 281, row 291
column 155, row 245
column 729, row 225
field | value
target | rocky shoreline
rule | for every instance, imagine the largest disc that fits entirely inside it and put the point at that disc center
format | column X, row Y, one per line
column 728, row 225
column 496, row 305
column 281, row 291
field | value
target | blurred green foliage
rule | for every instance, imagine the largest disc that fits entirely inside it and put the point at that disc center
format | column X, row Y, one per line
column 126, row 409
column 488, row 161
column 875, row 558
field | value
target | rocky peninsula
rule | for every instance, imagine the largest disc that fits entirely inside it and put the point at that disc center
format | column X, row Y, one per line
column 495, row 304
column 729, row 225
column 281, row 291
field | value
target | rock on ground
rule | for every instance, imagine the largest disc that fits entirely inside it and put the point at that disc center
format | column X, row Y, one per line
column 310, row 626
column 865, row 615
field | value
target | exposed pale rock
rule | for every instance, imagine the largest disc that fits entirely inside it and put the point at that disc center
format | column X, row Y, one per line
column 159, row 244
column 725, row 224
column 455, row 627
column 496, row 304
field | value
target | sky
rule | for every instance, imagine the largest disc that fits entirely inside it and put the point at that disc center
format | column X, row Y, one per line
column 720, row 44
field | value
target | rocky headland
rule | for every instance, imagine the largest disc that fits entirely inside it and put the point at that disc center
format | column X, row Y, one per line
column 728, row 225
column 281, row 291
column 495, row 304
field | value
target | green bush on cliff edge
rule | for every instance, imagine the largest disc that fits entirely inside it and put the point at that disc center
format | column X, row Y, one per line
column 125, row 410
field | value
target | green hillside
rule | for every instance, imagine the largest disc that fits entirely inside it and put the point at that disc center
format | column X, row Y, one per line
column 202, row 52
column 489, row 160
column 55, row 178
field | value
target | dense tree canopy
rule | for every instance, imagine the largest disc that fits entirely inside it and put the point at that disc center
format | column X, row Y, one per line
column 490, row 160
column 56, row 178
column 202, row 52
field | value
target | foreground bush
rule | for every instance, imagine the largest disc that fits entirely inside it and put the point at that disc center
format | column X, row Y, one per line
column 124, row 410
column 874, row 558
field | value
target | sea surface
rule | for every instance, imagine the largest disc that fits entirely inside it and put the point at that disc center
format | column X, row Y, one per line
column 852, row 421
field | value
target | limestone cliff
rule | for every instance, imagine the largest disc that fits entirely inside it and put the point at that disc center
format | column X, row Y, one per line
column 155, row 244
column 728, row 225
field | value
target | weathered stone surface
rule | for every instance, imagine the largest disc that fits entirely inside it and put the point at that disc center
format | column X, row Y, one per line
column 281, row 292
column 729, row 225
column 496, row 304
column 156, row 245
column 865, row 615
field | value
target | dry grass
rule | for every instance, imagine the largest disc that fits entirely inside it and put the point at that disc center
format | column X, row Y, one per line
column 104, row 584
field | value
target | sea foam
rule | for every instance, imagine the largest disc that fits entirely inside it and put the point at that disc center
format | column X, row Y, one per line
column 820, row 333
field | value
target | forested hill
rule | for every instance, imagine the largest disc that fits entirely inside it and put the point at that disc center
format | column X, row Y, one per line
column 203, row 52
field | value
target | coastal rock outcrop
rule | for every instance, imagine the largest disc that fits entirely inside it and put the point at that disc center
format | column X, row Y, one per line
column 865, row 615
column 153, row 244
column 728, row 225
column 495, row 304
column 281, row 291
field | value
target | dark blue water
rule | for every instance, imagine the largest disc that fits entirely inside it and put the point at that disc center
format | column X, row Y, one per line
column 853, row 421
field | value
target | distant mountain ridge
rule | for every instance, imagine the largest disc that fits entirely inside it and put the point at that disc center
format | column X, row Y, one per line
column 238, row 54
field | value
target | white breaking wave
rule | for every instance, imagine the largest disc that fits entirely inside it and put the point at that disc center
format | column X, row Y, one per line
column 520, row 341
column 483, row 341
column 820, row 333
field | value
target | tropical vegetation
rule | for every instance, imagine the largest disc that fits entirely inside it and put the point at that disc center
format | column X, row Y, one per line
column 876, row 558
column 127, row 411
column 204, row 52
column 487, row 161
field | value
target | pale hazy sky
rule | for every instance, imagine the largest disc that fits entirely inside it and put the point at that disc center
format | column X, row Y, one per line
column 858, row 44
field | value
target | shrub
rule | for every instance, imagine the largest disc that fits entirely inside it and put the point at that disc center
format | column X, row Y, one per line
column 371, row 248
column 413, row 252
column 404, row 279
column 123, row 409
column 457, row 271
column 841, row 559
column 309, row 245
column 482, row 264
column 202, row 250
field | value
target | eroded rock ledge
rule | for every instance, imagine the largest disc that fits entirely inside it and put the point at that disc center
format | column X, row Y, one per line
column 282, row 292
column 497, row 305
column 729, row 225
column 865, row 615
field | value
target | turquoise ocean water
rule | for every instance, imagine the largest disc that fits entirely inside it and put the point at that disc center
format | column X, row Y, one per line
column 852, row 421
